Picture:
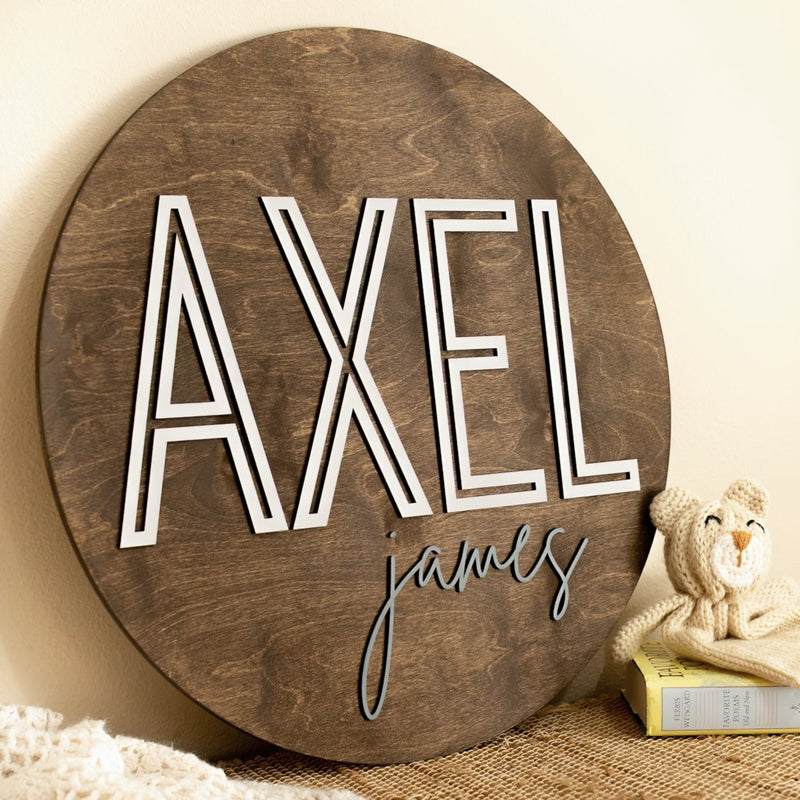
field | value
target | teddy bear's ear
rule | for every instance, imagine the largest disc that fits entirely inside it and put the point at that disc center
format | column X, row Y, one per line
column 750, row 494
column 668, row 506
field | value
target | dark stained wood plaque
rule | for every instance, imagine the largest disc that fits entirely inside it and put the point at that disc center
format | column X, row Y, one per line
column 354, row 395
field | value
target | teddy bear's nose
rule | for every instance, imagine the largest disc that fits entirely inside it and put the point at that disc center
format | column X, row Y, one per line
column 741, row 539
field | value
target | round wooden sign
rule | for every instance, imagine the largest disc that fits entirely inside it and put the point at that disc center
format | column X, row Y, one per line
column 354, row 395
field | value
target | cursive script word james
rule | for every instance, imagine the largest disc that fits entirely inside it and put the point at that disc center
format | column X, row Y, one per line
column 428, row 567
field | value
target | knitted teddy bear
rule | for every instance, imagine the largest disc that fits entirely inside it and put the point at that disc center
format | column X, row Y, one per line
column 716, row 555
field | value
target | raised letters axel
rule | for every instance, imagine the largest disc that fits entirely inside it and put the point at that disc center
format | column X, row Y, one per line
column 352, row 320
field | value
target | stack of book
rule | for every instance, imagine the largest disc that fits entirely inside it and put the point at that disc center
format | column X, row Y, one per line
column 676, row 696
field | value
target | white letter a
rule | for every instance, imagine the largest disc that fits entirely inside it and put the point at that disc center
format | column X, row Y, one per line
column 240, row 434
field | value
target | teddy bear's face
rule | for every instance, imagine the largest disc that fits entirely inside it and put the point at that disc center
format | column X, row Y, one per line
column 735, row 545
column 718, row 548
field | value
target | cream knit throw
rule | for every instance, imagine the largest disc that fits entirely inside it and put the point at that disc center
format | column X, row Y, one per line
column 725, row 612
column 41, row 760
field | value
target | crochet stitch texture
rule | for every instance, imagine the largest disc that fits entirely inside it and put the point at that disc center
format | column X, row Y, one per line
column 716, row 555
column 41, row 759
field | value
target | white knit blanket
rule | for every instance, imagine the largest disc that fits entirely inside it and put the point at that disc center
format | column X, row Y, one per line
column 41, row 760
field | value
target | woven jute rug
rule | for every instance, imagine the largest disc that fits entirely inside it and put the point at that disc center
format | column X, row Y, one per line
column 590, row 749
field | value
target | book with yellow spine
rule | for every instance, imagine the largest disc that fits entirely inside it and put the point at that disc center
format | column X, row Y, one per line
column 677, row 696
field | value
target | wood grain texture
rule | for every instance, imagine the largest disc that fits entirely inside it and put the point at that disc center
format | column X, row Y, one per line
column 268, row 631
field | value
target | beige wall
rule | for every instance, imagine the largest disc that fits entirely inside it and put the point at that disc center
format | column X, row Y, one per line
column 688, row 113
